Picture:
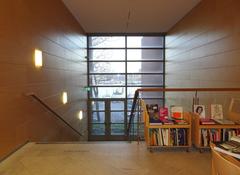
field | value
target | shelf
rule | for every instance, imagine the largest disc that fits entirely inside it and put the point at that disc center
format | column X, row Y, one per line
column 183, row 146
column 169, row 126
column 219, row 126
column 151, row 134
column 197, row 131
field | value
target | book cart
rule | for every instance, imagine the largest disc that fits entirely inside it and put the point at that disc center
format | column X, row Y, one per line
column 193, row 127
column 149, row 129
column 221, row 129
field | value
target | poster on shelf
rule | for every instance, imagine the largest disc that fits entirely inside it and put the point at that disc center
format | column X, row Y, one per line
column 200, row 110
column 216, row 111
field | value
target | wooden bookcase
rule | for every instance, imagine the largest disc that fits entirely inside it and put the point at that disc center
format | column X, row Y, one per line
column 147, row 129
column 197, row 129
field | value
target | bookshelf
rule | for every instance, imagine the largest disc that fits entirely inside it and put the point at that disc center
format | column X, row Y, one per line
column 219, row 132
column 168, row 142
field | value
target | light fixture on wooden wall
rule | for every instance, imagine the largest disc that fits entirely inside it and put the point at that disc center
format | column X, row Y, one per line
column 38, row 58
column 80, row 115
column 64, row 97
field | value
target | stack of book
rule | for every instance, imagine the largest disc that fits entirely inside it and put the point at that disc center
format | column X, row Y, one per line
column 167, row 121
column 207, row 121
column 231, row 147
column 224, row 121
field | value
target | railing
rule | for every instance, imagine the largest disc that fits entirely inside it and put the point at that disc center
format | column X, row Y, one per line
column 54, row 113
column 196, row 90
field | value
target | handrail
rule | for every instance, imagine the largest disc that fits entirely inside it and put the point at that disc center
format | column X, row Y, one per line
column 171, row 90
column 53, row 112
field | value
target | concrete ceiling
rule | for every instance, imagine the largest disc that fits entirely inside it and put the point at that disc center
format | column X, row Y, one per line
column 129, row 16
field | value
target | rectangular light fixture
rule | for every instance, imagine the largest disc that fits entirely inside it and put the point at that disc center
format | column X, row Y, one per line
column 80, row 115
column 64, row 97
column 38, row 58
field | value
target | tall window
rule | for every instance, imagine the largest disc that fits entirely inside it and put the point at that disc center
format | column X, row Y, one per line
column 118, row 65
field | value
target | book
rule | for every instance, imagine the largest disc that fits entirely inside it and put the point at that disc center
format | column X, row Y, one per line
column 177, row 112
column 224, row 121
column 207, row 121
column 153, row 114
column 163, row 112
column 181, row 122
column 216, row 111
column 235, row 138
column 152, row 107
column 166, row 121
column 154, row 118
column 200, row 110
column 229, row 145
column 219, row 149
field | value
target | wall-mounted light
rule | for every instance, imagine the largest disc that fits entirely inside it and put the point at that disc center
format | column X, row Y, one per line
column 64, row 97
column 80, row 115
column 38, row 58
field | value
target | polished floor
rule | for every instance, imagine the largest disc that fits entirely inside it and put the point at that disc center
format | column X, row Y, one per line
column 108, row 158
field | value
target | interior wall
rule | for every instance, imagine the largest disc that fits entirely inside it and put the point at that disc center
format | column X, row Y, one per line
column 46, row 25
column 203, row 50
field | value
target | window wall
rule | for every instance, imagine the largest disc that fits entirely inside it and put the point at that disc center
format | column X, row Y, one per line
column 117, row 66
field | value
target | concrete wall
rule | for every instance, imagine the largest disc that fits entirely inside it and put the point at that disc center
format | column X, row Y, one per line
column 48, row 26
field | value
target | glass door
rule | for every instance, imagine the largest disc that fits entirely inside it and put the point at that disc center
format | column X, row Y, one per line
column 107, row 121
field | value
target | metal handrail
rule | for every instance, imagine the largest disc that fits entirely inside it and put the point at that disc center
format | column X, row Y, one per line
column 55, row 114
column 171, row 90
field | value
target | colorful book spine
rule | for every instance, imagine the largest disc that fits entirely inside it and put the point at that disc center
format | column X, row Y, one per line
column 168, row 137
column 217, row 135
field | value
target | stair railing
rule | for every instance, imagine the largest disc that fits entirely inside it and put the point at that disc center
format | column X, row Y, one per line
column 54, row 113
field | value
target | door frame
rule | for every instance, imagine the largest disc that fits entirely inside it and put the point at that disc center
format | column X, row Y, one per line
column 107, row 136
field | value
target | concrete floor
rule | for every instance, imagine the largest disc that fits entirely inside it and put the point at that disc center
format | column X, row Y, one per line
column 108, row 158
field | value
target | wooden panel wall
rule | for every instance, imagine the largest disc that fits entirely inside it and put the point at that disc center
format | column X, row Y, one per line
column 50, row 27
column 203, row 49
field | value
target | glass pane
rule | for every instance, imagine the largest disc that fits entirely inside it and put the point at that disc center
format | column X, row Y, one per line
column 106, row 80
column 154, row 101
column 131, row 92
column 117, row 117
column 107, row 67
column 98, row 129
column 129, row 105
column 134, row 129
column 154, row 80
column 145, row 54
column 107, row 92
column 135, row 118
column 106, row 42
column 145, row 67
column 98, row 105
column 117, row 129
column 107, row 54
column 145, row 41
column 117, row 105
column 98, row 117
